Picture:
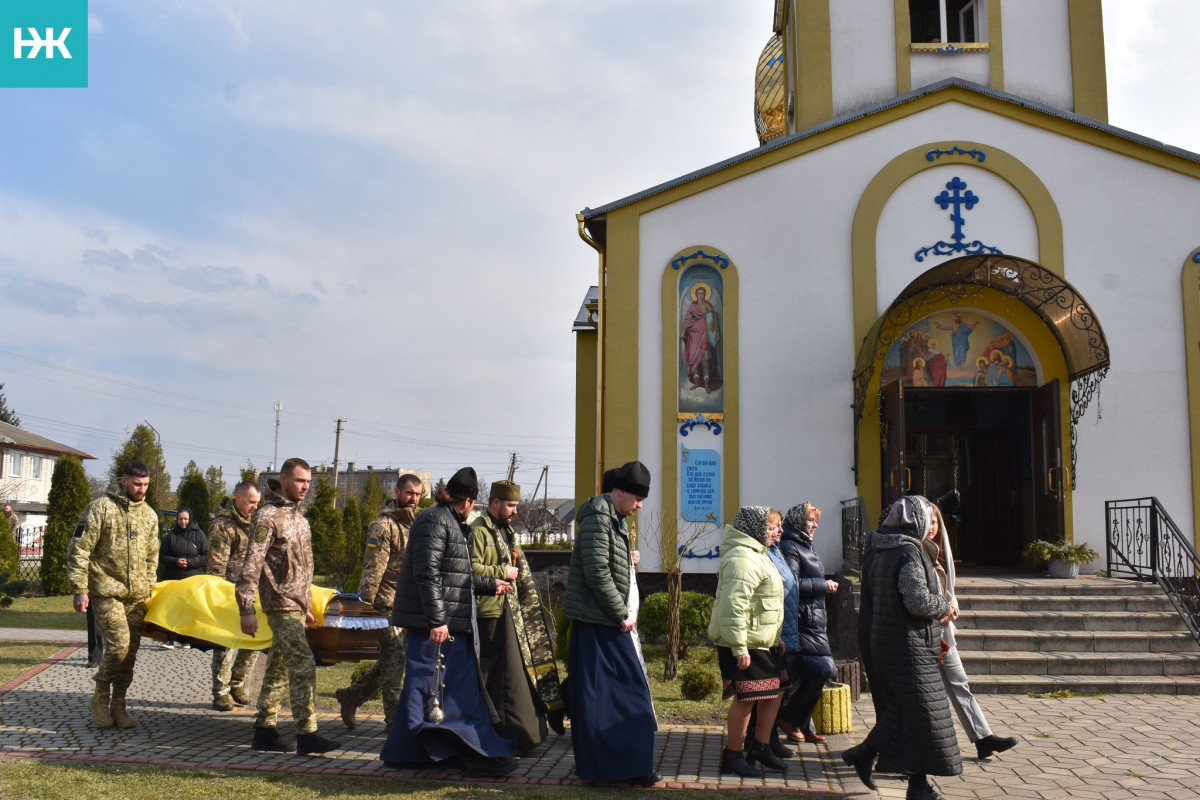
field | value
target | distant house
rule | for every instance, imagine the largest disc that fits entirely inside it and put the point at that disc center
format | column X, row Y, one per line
column 26, row 464
column 351, row 480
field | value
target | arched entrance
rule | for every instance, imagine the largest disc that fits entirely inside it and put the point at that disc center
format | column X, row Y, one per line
column 962, row 384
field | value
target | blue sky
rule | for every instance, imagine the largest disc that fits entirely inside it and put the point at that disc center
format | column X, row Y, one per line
column 365, row 210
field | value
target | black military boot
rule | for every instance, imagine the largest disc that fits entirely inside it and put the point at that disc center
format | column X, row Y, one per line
column 309, row 743
column 269, row 739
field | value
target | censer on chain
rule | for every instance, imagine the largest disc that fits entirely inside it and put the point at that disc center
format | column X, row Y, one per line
column 434, row 713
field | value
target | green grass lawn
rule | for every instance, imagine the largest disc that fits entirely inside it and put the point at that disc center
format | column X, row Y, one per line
column 16, row 657
column 37, row 780
column 42, row 612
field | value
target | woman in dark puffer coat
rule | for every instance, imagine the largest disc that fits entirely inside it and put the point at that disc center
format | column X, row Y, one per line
column 810, row 664
column 184, row 551
column 904, row 610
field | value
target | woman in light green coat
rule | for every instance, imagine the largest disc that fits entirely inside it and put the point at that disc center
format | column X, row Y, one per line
column 746, row 624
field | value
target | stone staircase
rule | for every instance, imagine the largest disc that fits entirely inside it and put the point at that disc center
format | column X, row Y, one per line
column 1037, row 634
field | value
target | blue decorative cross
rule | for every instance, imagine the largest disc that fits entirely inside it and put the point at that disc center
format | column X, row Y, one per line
column 956, row 197
column 945, row 200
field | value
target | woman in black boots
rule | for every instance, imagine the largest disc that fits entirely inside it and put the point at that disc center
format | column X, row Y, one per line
column 746, row 624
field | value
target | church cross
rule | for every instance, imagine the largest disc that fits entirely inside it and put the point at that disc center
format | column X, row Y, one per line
column 945, row 200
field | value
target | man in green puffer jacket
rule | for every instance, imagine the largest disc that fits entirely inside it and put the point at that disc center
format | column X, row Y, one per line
column 612, row 716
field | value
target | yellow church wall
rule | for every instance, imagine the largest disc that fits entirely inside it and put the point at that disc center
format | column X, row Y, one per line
column 585, row 415
column 621, row 340
column 1190, row 291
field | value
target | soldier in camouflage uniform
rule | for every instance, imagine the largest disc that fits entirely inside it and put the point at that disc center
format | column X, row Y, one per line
column 111, row 562
column 516, row 646
column 279, row 566
column 386, row 538
column 228, row 539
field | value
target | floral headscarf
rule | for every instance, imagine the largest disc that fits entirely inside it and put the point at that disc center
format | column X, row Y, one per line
column 752, row 521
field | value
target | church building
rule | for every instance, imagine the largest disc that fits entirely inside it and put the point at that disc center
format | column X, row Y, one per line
column 940, row 269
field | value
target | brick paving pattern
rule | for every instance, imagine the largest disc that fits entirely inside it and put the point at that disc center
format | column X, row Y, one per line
column 1118, row 746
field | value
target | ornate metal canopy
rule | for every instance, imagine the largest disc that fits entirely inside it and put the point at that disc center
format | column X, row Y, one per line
column 1065, row 312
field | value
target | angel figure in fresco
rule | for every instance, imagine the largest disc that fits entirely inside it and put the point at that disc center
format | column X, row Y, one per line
column 935, row 363
column 700, row 338
column 960, row 337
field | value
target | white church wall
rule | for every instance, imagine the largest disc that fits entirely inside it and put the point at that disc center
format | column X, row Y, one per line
column 863, row 45
column 1127, row 228
column 1037, row 57
column 930, row 67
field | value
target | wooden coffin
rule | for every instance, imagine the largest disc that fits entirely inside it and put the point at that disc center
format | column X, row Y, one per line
column 350, row 632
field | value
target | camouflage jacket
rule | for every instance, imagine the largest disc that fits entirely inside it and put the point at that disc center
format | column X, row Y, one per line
column 114, row 551
column 279, row 560
column 228, row 538
column 491, row 554
column 387, row 536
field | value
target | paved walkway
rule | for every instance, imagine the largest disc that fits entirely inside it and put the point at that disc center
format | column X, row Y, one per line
column 1132, row 746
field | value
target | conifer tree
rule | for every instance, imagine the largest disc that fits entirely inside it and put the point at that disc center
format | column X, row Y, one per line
column 353, row 531
column 10, row 556
column 6, row 413
column 70, row 493
column 142, row 445
column 371, row 500
column 193, row 494
column 214, row 477
column 326, row 523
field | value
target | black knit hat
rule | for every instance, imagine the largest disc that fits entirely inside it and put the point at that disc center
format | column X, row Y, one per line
column 464, row 483
column 633, row 478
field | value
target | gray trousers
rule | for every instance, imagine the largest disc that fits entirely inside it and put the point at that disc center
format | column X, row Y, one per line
column 959, row 692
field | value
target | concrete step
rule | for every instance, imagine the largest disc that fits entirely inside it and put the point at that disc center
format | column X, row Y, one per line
column 1076, row 663
column 1034, row 585
column 1010, row 641
column 1070, row 621
column 1109, row 684
column 1085, row 603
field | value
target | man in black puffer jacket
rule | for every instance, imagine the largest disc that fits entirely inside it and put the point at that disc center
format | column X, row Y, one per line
column 435, row 603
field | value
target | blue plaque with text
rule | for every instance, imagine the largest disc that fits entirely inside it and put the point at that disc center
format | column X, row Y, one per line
column 700, row 485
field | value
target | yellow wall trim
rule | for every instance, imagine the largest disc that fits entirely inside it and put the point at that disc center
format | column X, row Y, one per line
column 814, row 63
column 1088, row 77
column 996, row 43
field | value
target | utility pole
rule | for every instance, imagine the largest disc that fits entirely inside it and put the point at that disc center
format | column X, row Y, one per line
column 278, row 408
column 512, row 465
column 337, row 447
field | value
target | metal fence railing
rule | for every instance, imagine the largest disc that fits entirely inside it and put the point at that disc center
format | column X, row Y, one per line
column 1144, row 543
column 854, row 533
column 29, row 549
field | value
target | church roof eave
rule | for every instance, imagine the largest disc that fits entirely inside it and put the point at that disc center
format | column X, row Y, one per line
column 589, row 214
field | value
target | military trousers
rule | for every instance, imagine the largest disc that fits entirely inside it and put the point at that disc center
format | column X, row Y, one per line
column 386, row 675
column 291, row 669
column 230, row 668
column 120, row 623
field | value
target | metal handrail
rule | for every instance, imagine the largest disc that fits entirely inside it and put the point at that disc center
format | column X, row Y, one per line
column 1144, row 543
column 854, row 533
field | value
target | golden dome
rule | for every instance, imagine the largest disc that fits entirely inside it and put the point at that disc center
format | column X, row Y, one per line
column 770, row 92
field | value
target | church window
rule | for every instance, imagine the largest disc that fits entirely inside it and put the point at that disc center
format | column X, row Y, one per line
column 948, row 20
column 14, row 464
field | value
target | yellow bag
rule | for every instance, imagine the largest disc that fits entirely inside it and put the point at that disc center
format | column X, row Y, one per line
column 832, row 714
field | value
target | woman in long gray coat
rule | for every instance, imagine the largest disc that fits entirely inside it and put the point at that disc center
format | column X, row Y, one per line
column 905, row 610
